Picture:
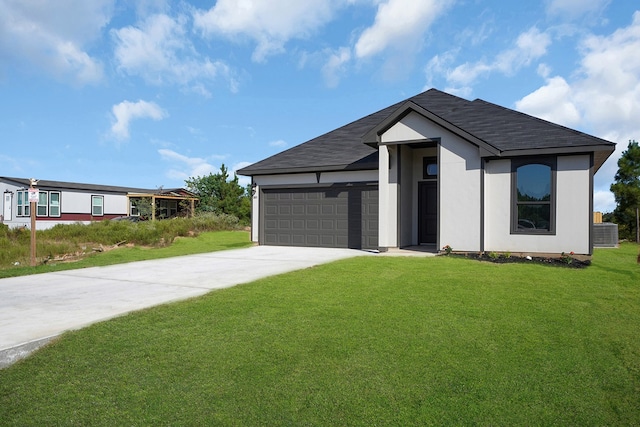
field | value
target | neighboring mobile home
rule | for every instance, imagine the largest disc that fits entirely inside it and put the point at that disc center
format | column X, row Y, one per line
column 68, row 202
column 433, row 170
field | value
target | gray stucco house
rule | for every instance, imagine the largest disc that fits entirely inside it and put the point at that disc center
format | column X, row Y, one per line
column 433, row 170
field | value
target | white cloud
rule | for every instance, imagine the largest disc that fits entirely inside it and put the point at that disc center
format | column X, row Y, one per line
column 571, row 9
column 398, row 22
column 48, row 36
column 159, row 51
column 184, row 167
column 268, row 23
column 529, row 46
column 278, row 143
column 335, row 67
column 552, row 102
column 127, row 111
column 605, row 93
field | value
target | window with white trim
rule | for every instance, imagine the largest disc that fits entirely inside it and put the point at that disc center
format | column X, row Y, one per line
column 43, row 203
column 97, row 205
column 23, row 203
column 54, row 203
column 533, row 195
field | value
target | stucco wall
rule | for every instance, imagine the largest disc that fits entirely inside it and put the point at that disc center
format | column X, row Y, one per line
column 573, row 214
column 459, row 194
column 459, row 183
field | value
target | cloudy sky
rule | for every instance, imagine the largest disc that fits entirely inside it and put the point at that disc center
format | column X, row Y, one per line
column 147, row 93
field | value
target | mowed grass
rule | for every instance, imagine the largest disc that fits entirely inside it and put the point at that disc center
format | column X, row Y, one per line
column 365, row 341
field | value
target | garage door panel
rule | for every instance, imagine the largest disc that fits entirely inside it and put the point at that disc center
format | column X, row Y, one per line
column 327, row 217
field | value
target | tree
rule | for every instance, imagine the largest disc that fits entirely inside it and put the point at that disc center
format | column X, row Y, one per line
column 626, row 189
column 220, row 194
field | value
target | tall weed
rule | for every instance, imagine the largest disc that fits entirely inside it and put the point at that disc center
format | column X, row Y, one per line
column 66, row 239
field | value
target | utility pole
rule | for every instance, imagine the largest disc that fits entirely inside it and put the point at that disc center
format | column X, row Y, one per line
column 33, row 201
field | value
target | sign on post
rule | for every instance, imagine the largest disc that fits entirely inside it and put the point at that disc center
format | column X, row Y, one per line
column 33, row 195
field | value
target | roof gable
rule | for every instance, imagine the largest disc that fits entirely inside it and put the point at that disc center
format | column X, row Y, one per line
column 498, row 131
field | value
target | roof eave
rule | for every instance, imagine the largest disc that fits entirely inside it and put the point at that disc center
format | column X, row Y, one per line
column 307, row 169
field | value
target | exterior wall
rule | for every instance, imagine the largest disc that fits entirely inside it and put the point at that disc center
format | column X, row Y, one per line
column 388, row 197
column 459, row 194
column 459, row 209
column 75, row 206
column 573, row 214
column 300, row 179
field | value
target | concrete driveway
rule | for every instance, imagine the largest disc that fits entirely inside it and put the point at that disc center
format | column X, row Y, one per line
column 34, row 309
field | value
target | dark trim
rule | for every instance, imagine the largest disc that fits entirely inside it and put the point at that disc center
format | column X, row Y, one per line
column 482, row 172
column 439, row 214
column 308, row 169
column 398, row 195
column 323, row 185
column 552, row 162
column 591, row 173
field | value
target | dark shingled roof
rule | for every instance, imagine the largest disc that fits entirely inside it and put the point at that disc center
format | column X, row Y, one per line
column 502, row 131
column 61, row 185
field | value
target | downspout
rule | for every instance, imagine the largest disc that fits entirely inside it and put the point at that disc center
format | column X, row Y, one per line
column 591, row 156
column 482, row 172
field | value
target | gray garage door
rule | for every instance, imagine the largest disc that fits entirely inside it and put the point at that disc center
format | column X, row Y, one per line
column 335, row 217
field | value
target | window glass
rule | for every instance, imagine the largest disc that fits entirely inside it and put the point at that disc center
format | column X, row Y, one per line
column 54, row 204
column 534, row 217
column 533, row 197
column 534, row 183
column 97, row 205
column 429, row 167
column 43, row 203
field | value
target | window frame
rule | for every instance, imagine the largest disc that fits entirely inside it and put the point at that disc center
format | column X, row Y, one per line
column 40, row 206
column 22, row 203
column 93, row 205
column 52, row 206
column 552, row 163
column 430, row 160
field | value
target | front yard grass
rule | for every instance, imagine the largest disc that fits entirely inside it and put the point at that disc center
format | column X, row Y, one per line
column 364, row 341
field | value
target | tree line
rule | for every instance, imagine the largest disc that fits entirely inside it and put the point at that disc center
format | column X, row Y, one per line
column 626, row 189
column 221, row 194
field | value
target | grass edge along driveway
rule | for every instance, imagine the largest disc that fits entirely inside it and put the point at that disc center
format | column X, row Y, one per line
column 363, row 341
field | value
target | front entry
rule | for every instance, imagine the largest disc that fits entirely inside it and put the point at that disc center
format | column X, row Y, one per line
column 428, row 212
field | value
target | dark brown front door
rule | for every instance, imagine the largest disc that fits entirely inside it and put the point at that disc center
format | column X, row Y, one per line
column 428, row 212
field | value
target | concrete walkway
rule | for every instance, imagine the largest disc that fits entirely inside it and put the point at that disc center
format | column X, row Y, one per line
column 36, row 308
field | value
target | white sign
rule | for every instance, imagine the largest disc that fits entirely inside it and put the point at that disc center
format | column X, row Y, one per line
column 33, row 195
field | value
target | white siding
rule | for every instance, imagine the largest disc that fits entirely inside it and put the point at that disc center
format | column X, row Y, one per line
column 573, row 215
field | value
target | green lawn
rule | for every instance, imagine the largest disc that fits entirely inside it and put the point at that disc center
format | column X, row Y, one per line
column 365, row 341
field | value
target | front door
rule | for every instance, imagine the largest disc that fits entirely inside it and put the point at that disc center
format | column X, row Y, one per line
column 6, row 213
column 428, row 212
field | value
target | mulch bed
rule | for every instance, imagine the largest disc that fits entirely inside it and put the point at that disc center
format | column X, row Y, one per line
column 567, row 261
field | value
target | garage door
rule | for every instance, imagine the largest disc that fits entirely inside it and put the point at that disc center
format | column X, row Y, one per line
column 336, row 217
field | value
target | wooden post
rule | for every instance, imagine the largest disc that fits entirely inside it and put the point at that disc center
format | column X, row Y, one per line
column 33, row 207
column 637, row 224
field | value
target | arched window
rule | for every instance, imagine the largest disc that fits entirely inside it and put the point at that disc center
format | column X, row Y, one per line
column 533, row 196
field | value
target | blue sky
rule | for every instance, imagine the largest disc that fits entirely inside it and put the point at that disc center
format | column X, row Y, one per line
column 147, row 93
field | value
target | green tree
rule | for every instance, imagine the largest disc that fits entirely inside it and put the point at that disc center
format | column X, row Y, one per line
column 626, row 190
column 220, row 194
